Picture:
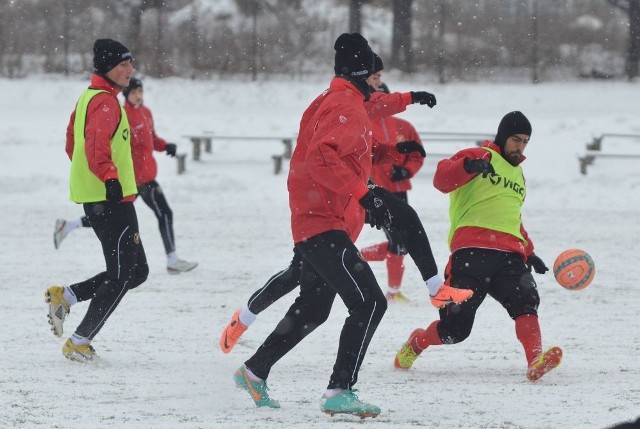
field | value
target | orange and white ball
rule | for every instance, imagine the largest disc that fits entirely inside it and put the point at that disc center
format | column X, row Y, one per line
column 574, row 269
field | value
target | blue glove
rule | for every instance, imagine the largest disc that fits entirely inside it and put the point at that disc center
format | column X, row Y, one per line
column 171, row 148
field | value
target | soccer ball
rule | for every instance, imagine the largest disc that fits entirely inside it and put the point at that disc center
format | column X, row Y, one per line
column 574, row 269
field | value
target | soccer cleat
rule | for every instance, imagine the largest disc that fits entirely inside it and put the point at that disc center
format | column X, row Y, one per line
column 58, row 308
column 83, row 353
column 407, row 355
column 545, row 362
column 450, row 295
column 59, row 232
column 347, row 402
column 181, row 266
column 257, row 389
column 396, row 297
column 232, row 333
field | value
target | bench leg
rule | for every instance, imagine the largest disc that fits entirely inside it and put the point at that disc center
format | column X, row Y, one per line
column 196, row 148
column 182, row 163
column 584, row 162
column 208, row 145
column 288, row 148
column 277, row 164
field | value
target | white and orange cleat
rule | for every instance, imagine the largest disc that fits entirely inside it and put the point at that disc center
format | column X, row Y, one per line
column 232, row 333
column 450, row 295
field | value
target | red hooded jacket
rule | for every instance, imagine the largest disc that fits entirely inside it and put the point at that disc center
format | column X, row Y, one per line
column 331, row 164
column 392, row 130
column 144, row 141
column 102, row 120
column 450, row 175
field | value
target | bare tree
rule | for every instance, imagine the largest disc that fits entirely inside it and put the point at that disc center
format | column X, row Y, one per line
column 252, row 8
column 632, row 9
column 355, row 16
column 440, row 55
column 135, row 27
column 401, row 49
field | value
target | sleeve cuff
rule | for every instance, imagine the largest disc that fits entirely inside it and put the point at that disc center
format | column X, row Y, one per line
column 360, row 192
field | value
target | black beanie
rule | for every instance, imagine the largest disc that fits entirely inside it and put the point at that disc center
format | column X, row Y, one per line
column 133, row 84
column 512, row 123
column 354, row 57
column 378, row 65
column 107, row 54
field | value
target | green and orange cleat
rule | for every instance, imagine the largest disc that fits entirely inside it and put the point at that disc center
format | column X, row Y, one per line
column 347, row 402
column 258, row 390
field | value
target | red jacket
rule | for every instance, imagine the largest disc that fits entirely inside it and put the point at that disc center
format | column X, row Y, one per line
column 102, row 120
column 450, row 175
column 392, row 130
column 381, row 105
column 143, row 142
column 331, row 164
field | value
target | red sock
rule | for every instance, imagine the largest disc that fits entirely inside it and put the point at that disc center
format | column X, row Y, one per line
column 426, row 338
column 395, row 270
column 376, row 252
column 528, row 333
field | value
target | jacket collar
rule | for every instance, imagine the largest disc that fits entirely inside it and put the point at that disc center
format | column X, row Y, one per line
column 340, row 83
column 491, row 145
column 100, row 82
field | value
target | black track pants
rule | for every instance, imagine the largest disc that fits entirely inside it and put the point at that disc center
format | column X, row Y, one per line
column 277, row 286
column 395, row 244
column 151, row 193
column 407, row 230
column 331, row 266
column 116, row 226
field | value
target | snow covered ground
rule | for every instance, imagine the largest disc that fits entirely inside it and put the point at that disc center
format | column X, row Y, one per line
column 161, row 366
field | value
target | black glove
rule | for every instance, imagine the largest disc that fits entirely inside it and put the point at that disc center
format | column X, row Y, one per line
column 475, row 166
column 114, row 190
column 170, row 148
column 378, row 214
column 399, row 173
column 423, row 97
column 410, row 146
column 537, row 264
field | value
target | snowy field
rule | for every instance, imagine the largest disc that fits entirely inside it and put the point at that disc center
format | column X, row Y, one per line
column 161, row 365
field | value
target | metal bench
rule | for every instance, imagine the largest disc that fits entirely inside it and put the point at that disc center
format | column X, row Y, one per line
column 462, row 138
column 596, row 143
column 595, row 150
column 198, row 141
column 277, row 158
column 590, row 156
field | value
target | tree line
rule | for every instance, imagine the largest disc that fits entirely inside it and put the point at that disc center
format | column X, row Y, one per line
column 450, row 39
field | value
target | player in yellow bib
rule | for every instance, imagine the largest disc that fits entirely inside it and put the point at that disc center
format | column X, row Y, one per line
column 492, row 253
column 102, row 180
